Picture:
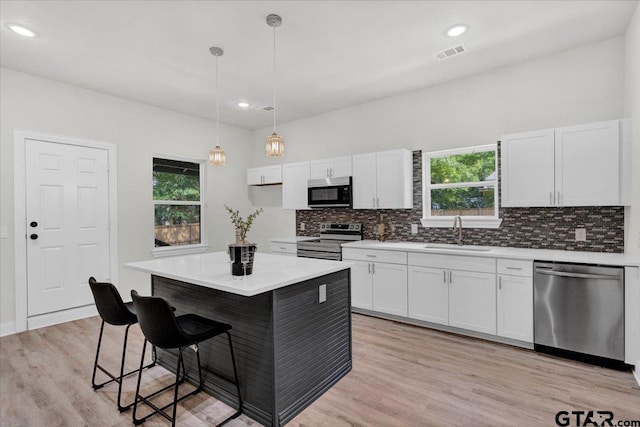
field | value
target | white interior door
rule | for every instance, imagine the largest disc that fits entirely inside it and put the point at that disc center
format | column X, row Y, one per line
column 67, row 223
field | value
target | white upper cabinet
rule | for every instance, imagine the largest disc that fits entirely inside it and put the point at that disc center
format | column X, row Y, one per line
column 527, row 169
column 383, row 180
column 585, row 165
column 588, row 164
column 331, row 168
column 264, row 175
column 294, row 185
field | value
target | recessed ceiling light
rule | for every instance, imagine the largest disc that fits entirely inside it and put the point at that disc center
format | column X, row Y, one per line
column 457, row 30
column 23, row 31
column 243, row 104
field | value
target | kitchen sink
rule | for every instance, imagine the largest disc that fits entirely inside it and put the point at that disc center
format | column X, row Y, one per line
column 457, row 248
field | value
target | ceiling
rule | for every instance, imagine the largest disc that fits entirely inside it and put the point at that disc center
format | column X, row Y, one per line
column 330, row 54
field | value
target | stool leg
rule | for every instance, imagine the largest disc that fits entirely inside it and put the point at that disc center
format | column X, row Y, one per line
column 235, row 374
column 95, row 364
column 137, row 397
column 120, row 381
column 178, row 381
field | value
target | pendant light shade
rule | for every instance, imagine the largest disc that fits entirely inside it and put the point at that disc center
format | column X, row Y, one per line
column 217, row 156
column 274, row 143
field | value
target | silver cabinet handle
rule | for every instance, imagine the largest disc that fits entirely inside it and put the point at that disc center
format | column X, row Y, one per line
column 450, row 276
column 500, row 282
column 559, row 199
column 369, row 265
column 331, row 172
column 373, row 268
column 579, row 275
column 372, row 256
column 281, row 247
column 373, row 201
column 377, row 202
column 513, row 268
column 550, row 198
column 445, row 276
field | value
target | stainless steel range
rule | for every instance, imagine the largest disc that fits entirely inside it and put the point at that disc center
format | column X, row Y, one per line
column 331, row 237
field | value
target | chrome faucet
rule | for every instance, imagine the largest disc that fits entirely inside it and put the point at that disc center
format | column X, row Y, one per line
column 457, row 223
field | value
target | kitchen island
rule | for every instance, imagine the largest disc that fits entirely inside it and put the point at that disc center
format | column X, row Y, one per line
column 291, row 324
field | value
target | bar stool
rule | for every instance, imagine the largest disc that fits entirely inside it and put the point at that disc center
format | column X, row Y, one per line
column 113, row 311
column 163, row 329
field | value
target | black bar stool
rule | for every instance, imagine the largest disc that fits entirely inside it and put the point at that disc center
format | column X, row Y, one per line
column 113, row 311
column 163, row 329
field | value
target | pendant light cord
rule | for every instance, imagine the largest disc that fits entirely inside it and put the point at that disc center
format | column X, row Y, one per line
column 274, row 80
column 217, row 108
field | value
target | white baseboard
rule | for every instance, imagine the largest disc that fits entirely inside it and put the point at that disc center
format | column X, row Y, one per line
column 49, row 319
column 7, row 328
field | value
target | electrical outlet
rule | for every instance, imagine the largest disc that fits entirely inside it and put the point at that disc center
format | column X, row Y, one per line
column 414, row 228
column 303, row 226
column 581, row 234
column 322, row 293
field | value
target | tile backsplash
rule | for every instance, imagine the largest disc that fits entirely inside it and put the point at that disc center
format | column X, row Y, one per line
column 536, row 228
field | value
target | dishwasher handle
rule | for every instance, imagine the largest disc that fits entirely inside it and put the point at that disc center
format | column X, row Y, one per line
column 579, row 275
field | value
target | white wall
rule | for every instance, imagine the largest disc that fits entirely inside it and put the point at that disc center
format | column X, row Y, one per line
column 138, row 130
column 581, row 85
column 632, row 110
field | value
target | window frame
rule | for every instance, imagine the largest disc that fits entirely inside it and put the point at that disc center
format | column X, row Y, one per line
column 484, row 221
column 203, row 246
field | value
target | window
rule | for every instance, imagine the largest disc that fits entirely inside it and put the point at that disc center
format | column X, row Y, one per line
column 461, row 182
column 178, row 207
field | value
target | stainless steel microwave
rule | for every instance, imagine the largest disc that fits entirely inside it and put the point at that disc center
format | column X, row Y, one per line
column 329, row 192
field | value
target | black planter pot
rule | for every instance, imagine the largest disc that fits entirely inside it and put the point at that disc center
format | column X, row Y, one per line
column 241, row 256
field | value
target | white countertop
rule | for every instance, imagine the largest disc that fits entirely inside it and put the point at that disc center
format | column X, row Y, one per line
column 212, row 270
column 294, row 239
column 499, row 252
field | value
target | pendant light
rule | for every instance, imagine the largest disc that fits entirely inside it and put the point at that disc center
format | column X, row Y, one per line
column 274, row 143
column 217, row 157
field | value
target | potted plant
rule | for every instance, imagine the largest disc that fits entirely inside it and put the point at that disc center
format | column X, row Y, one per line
column 242, row 252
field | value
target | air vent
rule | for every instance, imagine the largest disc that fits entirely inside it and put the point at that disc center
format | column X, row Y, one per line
column 450, row 52
column 265, row 108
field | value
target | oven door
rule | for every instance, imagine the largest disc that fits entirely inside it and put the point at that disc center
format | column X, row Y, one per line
column 330, row 192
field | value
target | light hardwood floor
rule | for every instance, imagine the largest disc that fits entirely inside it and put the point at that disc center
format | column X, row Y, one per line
column 402, row 376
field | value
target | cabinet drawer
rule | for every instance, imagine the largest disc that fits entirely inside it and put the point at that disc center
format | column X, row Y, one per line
column 283, row 248
column 375, row 255
column 515, row 267
column 453, row 262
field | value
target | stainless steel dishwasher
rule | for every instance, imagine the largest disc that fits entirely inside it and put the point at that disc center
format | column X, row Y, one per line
column 579, row 308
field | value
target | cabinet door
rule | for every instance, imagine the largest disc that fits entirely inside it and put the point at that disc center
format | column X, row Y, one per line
column 364, row 181
column 272, row 174
column 320, row 169
column 394, row 182
column 428, row 294
column 341, row 166
column 472, row 301
column 390, row 288
column 361, row 287
column 515, row 307
column 588, row 164
column 294, row 185
column 254, row 176
column 527, row 166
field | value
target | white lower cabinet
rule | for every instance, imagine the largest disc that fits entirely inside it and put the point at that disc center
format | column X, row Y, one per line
column 283, row 248
column 442, row 290
column 472, row 301
column 428, row 294
column 378, row 280
column 515, row 300
column 389, row 288
column 361, row 285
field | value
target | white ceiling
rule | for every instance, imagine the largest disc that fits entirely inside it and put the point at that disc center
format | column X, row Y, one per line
column 330, row 54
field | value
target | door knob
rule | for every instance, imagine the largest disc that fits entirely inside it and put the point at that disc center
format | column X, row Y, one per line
column 34, row 236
